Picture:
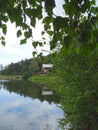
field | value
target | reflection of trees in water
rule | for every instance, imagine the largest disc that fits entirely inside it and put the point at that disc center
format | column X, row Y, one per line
column 28, row 89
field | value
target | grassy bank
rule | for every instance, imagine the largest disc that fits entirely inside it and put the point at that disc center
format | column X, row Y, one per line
column 44, row 79
column 8, row 77
column 50, row 80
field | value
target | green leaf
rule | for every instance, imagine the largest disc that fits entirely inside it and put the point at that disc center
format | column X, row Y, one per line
column 19, row 21
column 85, row 6
column 35, row 44
column 70, row 9
column 49, row 5
column 36, row 13
column 67, row 41
column 4, row 18
column 67, row 44
column 47, row 20
column 43, row 32
column 3, row 43
column 25, row 26
column 24, row 4
column 50, row 32
column 33, row 22
column 27, row 34
column 15, row 15
column 40, row 44
column 39, row 12
column 52, row 45
column 28, row 12
column 4, row 28
column 2, row 38
column 19, row 33
column 60, row 22
column 47, row 27
column 59, row 36
column 34, row 53
column 23, row 41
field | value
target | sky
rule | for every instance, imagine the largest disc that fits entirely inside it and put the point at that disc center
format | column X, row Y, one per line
column 13, row 51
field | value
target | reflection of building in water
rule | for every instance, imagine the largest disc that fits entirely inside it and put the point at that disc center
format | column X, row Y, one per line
column 46, row 67
column 46, row 91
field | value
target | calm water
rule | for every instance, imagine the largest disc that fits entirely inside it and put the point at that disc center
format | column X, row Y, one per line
column 23, row 107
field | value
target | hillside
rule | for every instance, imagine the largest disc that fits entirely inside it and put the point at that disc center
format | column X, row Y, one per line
column 27, row 67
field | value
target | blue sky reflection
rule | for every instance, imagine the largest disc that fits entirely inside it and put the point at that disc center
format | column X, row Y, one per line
column 19, row 113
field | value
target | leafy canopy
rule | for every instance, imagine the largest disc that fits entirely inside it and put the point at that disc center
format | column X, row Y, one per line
column 77, row 29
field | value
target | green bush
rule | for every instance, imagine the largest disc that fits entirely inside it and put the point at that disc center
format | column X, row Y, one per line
column 79, row 91
column 26, row 75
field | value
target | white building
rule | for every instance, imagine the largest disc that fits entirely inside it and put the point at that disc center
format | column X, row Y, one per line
column 46, row 67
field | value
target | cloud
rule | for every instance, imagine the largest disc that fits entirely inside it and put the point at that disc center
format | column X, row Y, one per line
column 29, row 114
column 14, row 52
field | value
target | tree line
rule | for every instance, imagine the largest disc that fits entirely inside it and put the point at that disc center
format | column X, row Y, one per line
column 27, row 67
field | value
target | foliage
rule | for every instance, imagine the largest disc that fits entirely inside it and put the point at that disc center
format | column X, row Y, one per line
column 28, row 89
column 79, row 90
column 26, row 75
column 76, row 29
column 45, row 79
column 26, row 68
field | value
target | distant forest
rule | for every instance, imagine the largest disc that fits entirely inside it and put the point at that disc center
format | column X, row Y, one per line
column 26, row 67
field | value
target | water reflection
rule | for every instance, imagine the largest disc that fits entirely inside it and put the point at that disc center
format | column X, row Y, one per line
column 23, row 107
column 27, row 89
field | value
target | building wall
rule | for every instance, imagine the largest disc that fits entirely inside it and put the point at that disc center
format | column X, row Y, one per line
column 46, row 67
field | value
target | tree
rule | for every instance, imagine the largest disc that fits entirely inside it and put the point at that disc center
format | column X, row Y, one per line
column 78, row 90
column 1, row 67
column 23, row 67
column 77, row 29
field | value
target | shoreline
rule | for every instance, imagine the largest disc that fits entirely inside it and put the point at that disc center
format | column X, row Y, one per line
column 8, row 77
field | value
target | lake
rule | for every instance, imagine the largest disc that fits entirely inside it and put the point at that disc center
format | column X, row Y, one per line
column 24, row 107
